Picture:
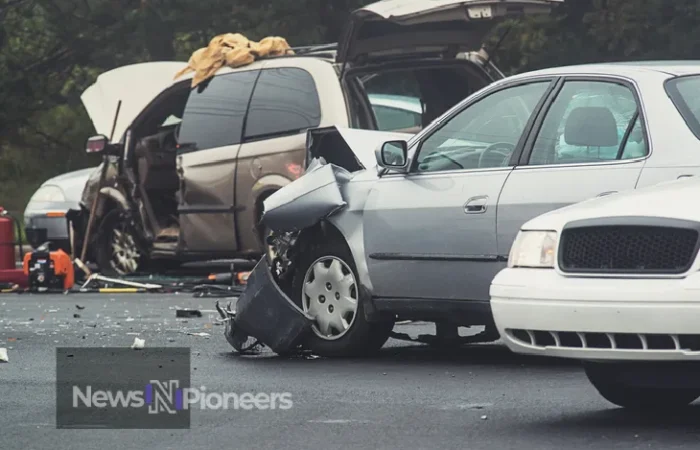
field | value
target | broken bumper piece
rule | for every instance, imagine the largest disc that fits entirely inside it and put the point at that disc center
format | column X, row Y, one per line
column 266, row 314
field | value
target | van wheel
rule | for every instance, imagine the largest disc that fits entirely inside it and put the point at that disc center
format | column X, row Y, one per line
column 117, row 251
column 604, row 378
column 326, row 287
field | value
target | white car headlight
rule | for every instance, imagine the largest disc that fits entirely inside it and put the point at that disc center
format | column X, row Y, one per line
column 49, row 194
column 533, row 249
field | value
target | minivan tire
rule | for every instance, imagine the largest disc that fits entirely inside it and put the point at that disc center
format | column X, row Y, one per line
column 114, row 222
column 362, row 338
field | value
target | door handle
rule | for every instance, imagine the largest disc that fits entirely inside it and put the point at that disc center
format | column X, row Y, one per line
column 603, row 194
column 685, row 176
column 476, row 205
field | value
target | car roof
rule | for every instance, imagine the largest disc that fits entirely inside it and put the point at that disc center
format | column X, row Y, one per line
column 629, row 69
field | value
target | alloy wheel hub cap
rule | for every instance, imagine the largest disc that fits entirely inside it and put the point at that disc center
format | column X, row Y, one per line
column 330, row 296
column 125, row 253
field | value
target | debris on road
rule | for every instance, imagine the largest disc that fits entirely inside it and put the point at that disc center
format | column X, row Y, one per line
column 76, row 316
column 202, row 334
column 79, row 307
column 187, row 313
column 138, row 344
column 3, row 355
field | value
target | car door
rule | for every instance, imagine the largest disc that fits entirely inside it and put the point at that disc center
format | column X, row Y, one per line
column 589, row 141
column 208, row 143
column 431, row 233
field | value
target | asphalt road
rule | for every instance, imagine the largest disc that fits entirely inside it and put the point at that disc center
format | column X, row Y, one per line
column 409, row 397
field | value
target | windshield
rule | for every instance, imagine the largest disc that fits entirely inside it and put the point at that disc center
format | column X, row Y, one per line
column 685, row 94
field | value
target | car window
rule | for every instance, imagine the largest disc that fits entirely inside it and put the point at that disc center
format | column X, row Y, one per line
column 285, row 101
column 397, row 117
column 215, row 111
column 685, row 94
column 484, row 134
column 590, row 121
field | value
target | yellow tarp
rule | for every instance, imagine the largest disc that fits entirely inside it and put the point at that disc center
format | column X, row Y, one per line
column 232, row 50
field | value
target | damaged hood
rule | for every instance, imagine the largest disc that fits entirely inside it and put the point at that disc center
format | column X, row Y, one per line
column 399, row 27
column 135, row 85
column 349, row 148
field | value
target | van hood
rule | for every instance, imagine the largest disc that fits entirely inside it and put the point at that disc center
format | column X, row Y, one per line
column 135, row 85
column 429, row 27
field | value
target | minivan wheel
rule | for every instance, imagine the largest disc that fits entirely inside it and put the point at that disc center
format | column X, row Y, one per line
column 326, row 287
column 605, row 379
column 117, row 251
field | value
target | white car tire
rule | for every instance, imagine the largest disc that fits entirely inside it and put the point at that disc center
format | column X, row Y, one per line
column 605, row 378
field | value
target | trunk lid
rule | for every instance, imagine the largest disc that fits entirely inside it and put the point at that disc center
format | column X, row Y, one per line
column 135, row 85
column 427, row 27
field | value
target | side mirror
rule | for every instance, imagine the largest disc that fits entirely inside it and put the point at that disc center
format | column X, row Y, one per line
column 97, row 144
column 393, row 155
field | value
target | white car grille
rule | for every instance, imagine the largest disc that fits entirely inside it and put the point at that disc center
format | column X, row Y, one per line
column 611, row 341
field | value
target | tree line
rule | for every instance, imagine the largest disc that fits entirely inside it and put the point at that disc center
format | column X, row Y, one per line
column 51, row 50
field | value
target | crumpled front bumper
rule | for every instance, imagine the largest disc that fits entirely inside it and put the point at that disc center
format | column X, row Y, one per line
column 266, row 314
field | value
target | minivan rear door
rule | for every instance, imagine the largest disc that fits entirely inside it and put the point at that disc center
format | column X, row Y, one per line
column 427, row 27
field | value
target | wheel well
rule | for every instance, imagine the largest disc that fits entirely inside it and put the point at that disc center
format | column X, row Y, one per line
column 322, row 232
column 259, row 205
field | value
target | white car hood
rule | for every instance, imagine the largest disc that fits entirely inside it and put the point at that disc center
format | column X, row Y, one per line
column 135, row 85
column 672, row 200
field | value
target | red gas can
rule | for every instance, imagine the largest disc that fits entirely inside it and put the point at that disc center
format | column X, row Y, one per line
column 7, row 242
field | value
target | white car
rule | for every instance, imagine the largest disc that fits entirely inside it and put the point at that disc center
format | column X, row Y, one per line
column 614, row 282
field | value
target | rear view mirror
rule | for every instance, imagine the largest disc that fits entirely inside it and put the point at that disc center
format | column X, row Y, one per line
column 96, row 144
column 393, row 155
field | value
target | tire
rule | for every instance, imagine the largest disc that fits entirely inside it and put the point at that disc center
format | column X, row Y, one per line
column 111, row 261
column 360, row 338
column 605, row 378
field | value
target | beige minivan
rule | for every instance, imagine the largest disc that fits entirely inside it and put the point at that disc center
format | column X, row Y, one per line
column 190, row 168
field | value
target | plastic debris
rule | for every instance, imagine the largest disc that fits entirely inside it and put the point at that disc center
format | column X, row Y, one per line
column 484, row 418
column 79, row 307
column 138, row 344
column 3, row 355
column 199, row 334
column 188, row 313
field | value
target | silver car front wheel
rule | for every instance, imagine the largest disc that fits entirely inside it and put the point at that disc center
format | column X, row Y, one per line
column 330, row 296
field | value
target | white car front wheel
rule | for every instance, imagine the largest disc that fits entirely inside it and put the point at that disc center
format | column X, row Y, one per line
column 616, row 389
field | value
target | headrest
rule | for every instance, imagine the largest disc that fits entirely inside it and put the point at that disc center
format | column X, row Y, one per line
column 591, row 126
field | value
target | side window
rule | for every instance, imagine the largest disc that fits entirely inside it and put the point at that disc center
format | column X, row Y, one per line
column 590, row 121
column 398, row 116
column 484, row 134
column 215, row 111
column 285, row 101
column 396, row 100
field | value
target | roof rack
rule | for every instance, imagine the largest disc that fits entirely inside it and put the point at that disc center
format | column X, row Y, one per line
column 315, row 48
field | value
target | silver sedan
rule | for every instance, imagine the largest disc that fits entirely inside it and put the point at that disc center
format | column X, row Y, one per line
column 45, row 214
column 419, row 232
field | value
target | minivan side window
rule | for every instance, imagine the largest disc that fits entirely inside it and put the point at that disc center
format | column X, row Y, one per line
column 285, row 102
column 215, row 111
column 590, row 122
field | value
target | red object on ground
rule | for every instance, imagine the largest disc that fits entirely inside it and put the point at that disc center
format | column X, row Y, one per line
column 14, row 276
column 8, row 269
column 7, row 242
